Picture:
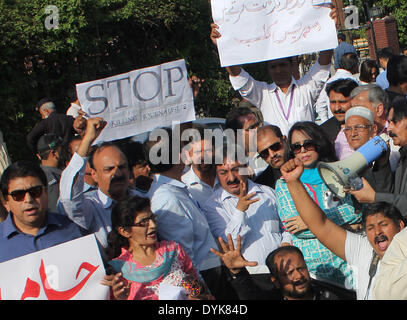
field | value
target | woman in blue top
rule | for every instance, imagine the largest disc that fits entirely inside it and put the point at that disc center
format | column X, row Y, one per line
column 309, row 144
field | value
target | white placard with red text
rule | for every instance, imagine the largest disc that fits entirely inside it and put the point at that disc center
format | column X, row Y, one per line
column 72, row 270
column 140, row 100
column 260, row 30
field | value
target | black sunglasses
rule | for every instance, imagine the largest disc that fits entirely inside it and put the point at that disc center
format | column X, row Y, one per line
column 308, row 145
column 19, row 195
column 274, row 147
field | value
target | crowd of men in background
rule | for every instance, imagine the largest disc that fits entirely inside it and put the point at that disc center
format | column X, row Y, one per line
column 229, row 220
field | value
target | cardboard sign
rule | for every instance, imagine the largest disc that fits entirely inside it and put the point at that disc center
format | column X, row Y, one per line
column 71, row 270
column 140, row 100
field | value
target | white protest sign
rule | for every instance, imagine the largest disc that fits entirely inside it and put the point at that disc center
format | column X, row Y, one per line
column 260, row 30
column 71, row 270
column 140, row 100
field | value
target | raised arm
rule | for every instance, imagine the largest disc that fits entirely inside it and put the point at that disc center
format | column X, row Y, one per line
column 71, row 199
column 327, row 232
column 94, row 127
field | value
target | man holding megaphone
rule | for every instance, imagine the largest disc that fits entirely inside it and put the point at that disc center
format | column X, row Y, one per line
column 398, row 194
column 363, row 252
column 359, row 129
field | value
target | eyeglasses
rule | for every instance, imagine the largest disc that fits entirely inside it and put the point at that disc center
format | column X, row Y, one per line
column 253, row 126
column 146, row 221
column 19, row 195
column 308, row 145
column 274, row 147
column 358, row 128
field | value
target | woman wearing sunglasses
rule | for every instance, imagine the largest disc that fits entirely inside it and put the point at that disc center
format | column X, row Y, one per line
column 309, row 144
column 140, row 262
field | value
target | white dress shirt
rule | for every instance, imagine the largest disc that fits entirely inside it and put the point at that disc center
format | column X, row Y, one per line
column 358, row 254
column 259, row 226
column 322, row 106
column 264, row 96
column 199, row 190
column 90, row 210
column 180, row 220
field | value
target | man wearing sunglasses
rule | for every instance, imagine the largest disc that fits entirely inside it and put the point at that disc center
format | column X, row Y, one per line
column 29, row 226
column 272, row 147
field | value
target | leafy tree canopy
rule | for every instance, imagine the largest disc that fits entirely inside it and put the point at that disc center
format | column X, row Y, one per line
column 97, row 39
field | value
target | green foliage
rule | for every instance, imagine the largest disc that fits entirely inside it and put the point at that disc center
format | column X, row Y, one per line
column 97, row 39
column 398, row 9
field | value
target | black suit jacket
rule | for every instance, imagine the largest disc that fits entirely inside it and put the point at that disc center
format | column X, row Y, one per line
column 331, row 127
column 59, row 124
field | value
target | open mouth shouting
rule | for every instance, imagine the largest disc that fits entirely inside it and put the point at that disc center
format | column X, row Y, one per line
column 382, row 242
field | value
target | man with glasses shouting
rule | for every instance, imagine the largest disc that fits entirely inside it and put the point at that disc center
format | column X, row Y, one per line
column 29, row 226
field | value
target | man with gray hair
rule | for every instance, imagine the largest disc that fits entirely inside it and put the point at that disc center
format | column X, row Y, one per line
column 398, row 131
column 52, row 122
column 376, row 100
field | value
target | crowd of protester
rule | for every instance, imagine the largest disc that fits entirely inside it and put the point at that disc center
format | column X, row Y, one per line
column 263, row 226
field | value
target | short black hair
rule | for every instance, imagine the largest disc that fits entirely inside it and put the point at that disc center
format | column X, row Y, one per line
column 342, row 36
column 399, row 106
column 387, row 209
column 123, row 214
column 349, row 61
column 342, row 86
column 150, row 144
column 385, row 53
column 397, row 70
column 270, row 263
column 135, row 154
column 20, row 169
column 232, row 118
column 66, row 153
column 276, row 130
column 366, row 70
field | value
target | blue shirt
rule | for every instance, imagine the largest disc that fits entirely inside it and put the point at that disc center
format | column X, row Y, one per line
column 341, row 49
column 14, row 243
column 90, row 210
column 181, row 220
column 382, row 81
